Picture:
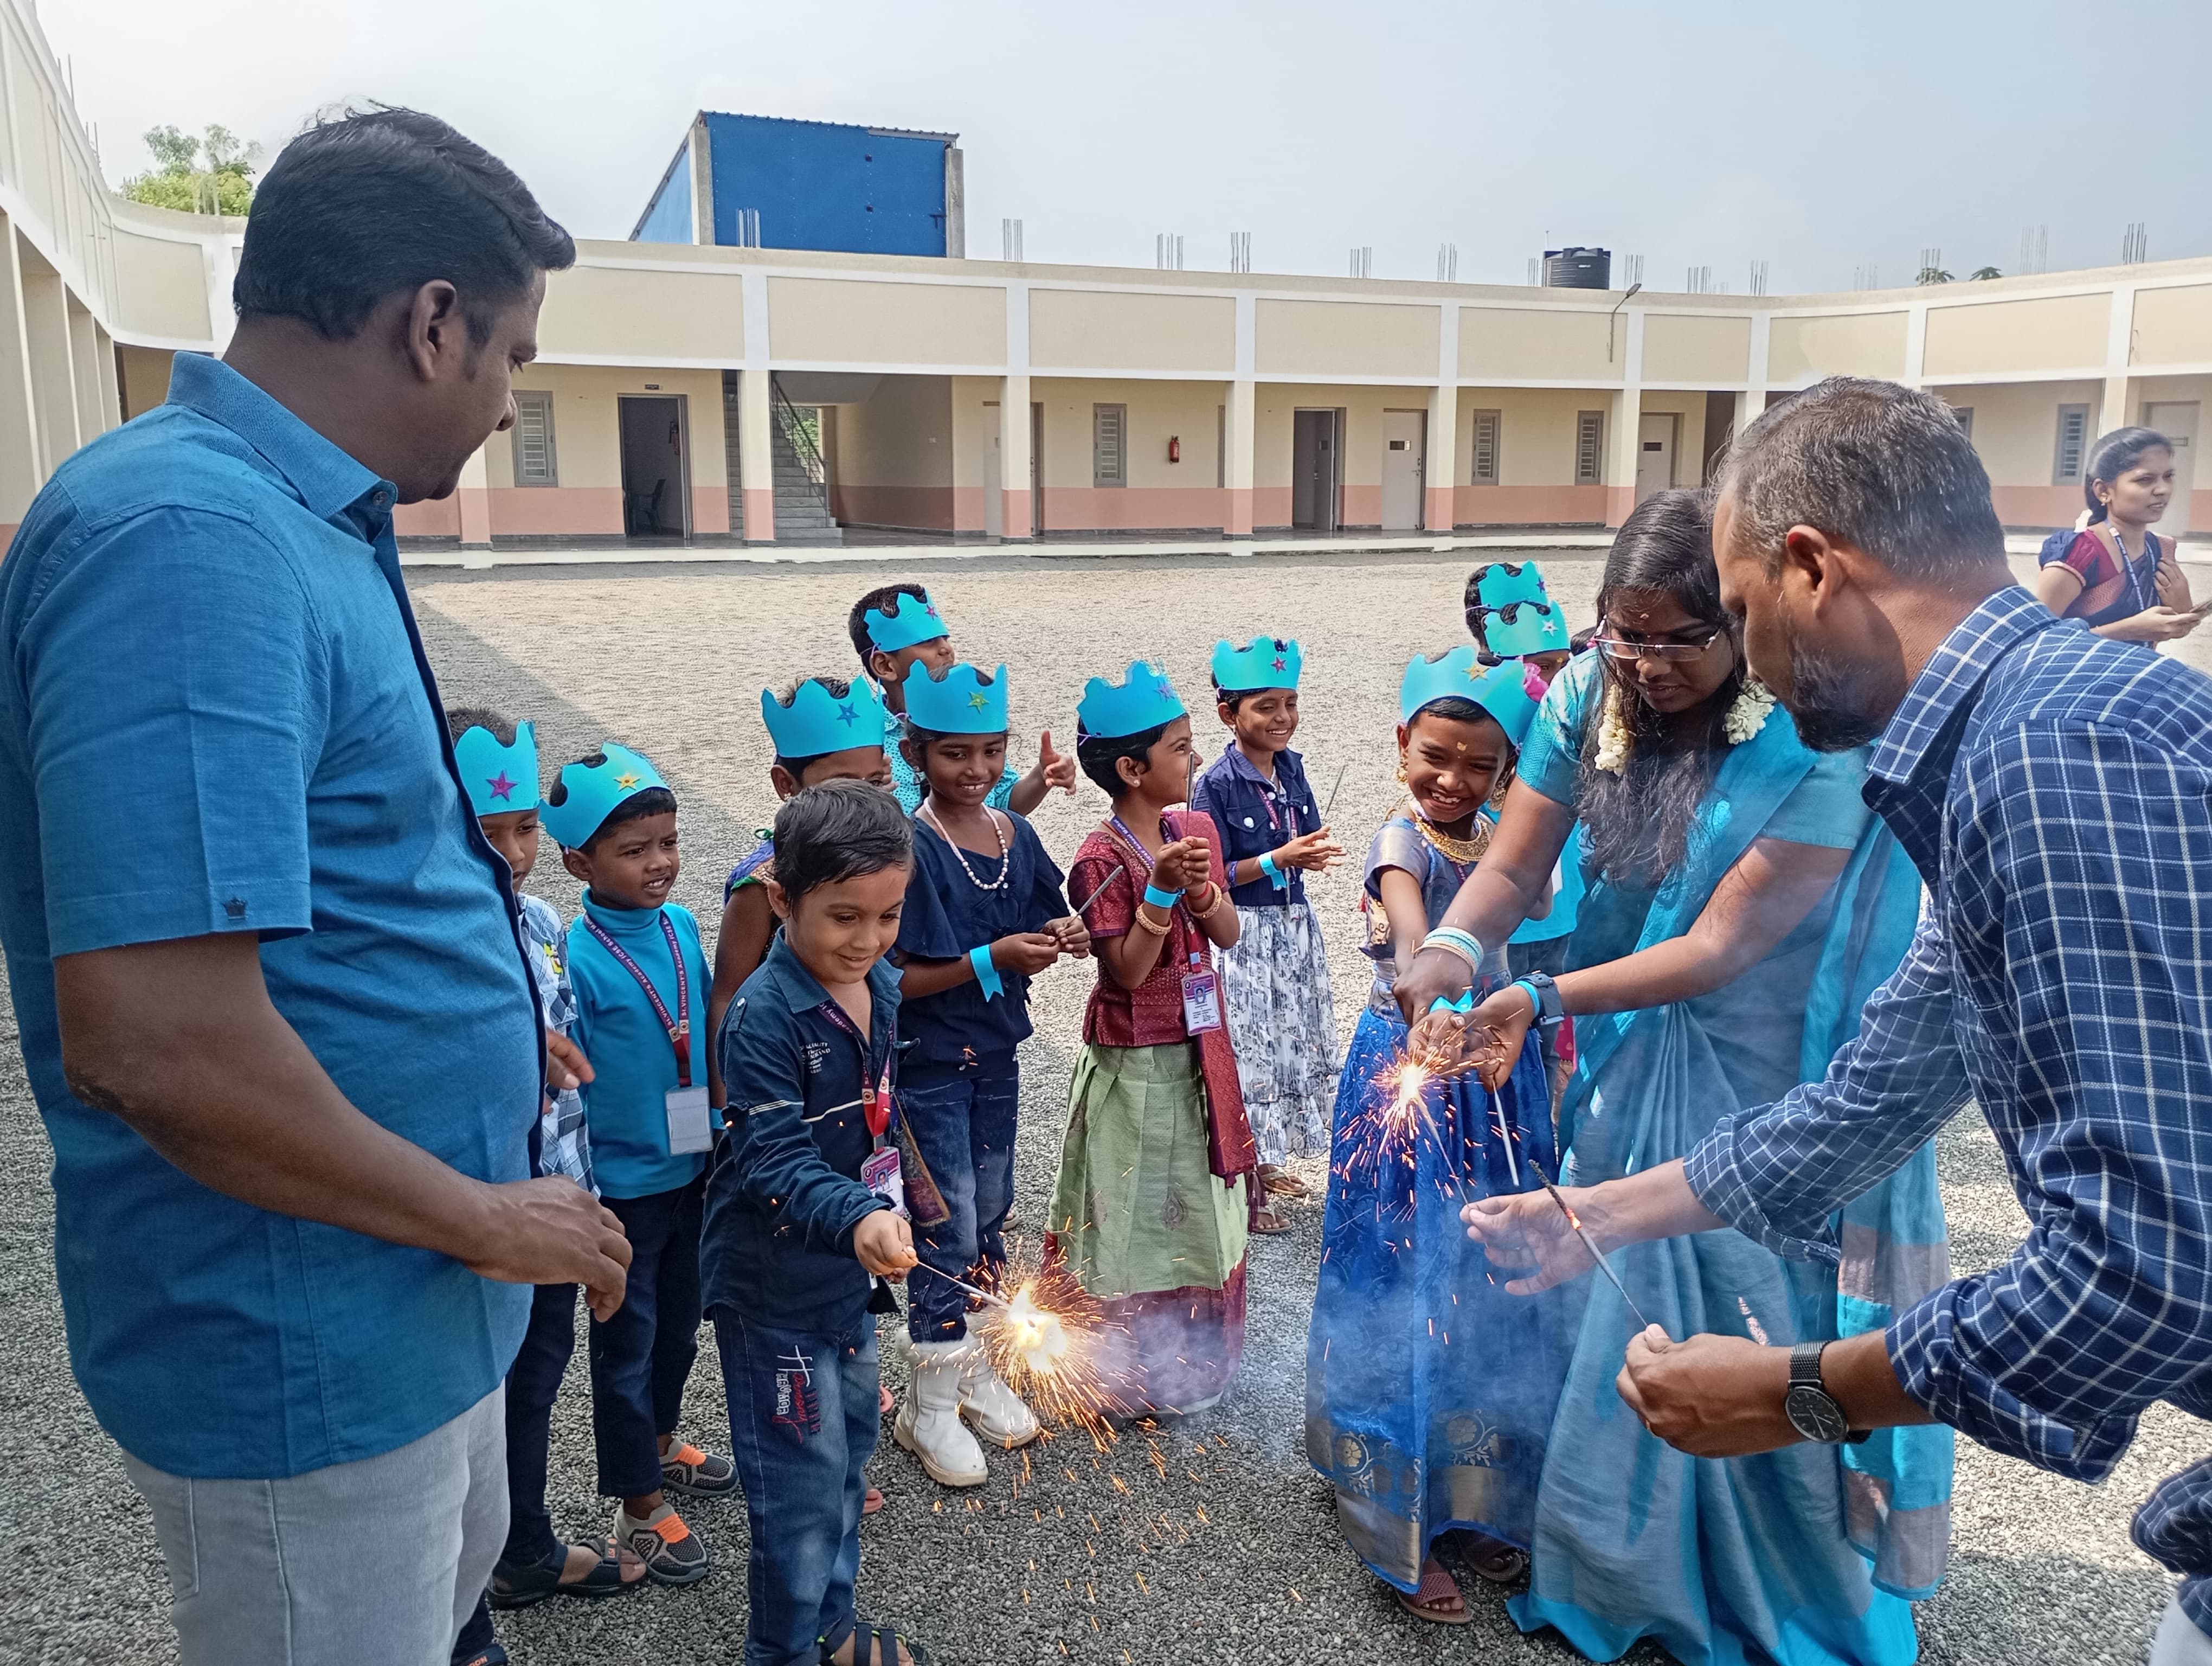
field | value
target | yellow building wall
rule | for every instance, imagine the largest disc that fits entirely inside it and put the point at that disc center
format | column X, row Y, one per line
column 2016, row 431
column 1539, row 344
column 1159, row 494
column 1346, row 338
column 588, row 452
column 830, row 320
column 893, row 463
column 1800, row 350
column 160, row 287
column 2174, row 326
column 650, row 317
column 1108, row 330
column 1361, row 441
column 1705, row 351
column 1536, row 428
column 1999, row 337
column 145, row 378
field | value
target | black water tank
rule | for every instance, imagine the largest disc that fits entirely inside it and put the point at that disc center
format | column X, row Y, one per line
column 1579, row 269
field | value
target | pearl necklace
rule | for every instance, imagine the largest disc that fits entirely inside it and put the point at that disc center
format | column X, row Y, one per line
column 1005, row 865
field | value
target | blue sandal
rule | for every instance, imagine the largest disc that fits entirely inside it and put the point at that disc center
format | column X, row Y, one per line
column 519, row 1584
column 881, row 1645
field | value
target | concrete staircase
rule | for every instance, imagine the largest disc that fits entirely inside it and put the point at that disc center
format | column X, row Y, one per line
column 802, row 500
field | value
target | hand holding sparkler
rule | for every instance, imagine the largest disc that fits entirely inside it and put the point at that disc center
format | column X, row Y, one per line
column 1073, row 935
column 1559, row 1239
column 884, row 1244
column 1492, row 1033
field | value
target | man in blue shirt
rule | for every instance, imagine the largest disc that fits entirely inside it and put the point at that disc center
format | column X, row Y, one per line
column 2055, row 790
column 272, row 1001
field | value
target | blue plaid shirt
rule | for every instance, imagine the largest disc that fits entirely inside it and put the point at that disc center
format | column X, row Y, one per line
column 564, row 1146
column 2055, row 790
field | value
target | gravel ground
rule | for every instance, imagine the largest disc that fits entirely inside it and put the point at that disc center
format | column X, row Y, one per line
column 1211, row 1540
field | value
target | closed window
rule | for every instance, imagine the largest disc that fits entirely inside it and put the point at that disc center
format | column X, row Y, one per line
column 2073, row 446
column 1485, row 448
column 1589, row 449
column 534, row 441
column 1110, row 445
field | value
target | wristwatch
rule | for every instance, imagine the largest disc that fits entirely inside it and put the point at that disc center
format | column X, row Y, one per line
column 1546, row 995
column 1812, row 1410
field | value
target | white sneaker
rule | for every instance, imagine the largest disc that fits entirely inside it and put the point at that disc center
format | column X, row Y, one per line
column 996, row 1410
column 929, row 1423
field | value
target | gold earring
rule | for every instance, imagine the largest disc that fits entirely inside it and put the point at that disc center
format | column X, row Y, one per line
column 1402, row 772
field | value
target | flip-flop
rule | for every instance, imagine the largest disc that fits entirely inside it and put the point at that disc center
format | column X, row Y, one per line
column 1437, row 1586
column 1268, row 1224
column 1491, row 1559
column 872, row 1503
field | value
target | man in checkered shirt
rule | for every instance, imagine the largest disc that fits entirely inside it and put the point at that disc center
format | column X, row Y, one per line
column 2055, row 790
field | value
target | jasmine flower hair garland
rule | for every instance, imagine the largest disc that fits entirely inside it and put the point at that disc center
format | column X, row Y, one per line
column 1746, row 716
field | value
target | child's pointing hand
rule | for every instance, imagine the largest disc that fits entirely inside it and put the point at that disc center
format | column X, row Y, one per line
column 1058, row 771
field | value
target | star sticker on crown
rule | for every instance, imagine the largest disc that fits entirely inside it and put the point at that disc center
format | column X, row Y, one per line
column 931, row 610
column 1474, row 671
column 1162, row 689
column 977, row 700
column 501, row 786
column 626, row 780
column 847, row 715
column 1279, row 662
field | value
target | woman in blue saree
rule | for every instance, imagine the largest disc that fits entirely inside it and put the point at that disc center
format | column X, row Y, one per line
column 1742, row 904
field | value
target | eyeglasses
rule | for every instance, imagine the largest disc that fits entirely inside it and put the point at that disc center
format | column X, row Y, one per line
column 1620, row 647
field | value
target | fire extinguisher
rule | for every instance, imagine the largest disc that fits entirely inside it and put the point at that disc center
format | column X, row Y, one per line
column 1175, row 448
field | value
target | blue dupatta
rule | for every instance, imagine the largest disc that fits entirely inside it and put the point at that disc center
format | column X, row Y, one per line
column 1712, row 1557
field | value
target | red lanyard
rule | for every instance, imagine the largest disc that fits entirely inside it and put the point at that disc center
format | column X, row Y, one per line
column 876, row 1101
column 679, row 1027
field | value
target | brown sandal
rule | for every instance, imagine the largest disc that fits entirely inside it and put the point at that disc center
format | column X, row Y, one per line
column 1436, row 1589
column 1268, row 1224
column 1281, row 1183
column 1491, row 1559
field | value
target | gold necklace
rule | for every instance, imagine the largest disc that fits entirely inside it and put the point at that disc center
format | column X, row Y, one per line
column 1465, row 852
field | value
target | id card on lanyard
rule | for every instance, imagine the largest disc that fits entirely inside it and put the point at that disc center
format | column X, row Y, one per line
column 690, row 1127
column 881, row 1171
column 1201, row 984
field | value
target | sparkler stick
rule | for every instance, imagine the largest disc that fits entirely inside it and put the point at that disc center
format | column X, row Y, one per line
column 1333, row 792
column 973, row 1290
column 1097, row 891
column 1605, row 1267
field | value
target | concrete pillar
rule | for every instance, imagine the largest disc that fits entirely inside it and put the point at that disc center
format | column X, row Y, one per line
column 1748, row 405
column 21, row 474
column 92, row 421
column 110, row 384
column 473, row 496
column 702, row 183
column 1237, row 470
column 2118, row 408
column 1017, row 517
column 1622, row 424
column 53, row 378
column 756, row 457
column 1440, row 468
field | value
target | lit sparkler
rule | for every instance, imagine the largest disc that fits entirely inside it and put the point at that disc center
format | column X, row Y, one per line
column 1047, row 1342
column 1575, row 1222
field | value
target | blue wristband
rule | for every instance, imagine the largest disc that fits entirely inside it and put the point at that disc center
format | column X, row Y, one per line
column 1162, row 899
column 1276, row 877
column 987, row 975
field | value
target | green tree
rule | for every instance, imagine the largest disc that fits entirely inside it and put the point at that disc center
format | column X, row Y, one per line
column 1984, row 274
column 211, row 174
column 1933, row 275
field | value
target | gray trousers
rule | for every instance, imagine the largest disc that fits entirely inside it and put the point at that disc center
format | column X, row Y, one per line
column 2178, row 1643
column 374, row 1563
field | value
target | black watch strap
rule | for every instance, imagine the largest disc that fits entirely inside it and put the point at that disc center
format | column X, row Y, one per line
column 1550, row 1009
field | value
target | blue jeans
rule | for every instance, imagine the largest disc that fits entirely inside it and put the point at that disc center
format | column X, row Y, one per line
column 963, row 1118
column 803, row 1419
column 642, row 1358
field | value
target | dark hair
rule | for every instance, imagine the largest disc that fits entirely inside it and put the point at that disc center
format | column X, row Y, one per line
column 653, row 801
column 836, row 688
column 884, row 601
column 1884, row 468
column 1637, row 820
column 1099, row 753
column 2115, row 454
column 838, row 831
column 1454, row 708
column 459, row 719
column 379, row 201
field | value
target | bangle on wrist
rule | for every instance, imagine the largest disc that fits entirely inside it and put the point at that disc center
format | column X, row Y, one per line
column 1276, row 877
column 987, row 975
column 1145, row 923
column 1160, row 898
column 1465, row 944
column 1212, row 907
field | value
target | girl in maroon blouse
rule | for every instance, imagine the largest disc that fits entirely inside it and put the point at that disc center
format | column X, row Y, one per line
column 2118, row 576
column 1157, row 1173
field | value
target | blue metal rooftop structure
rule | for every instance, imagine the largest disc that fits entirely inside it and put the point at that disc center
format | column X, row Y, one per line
column 766, row 182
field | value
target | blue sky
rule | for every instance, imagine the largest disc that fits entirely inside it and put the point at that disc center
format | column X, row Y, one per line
column 1821, row 139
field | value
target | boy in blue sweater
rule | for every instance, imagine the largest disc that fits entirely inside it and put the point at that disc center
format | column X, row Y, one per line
column 639, row 977
column 802, row 1221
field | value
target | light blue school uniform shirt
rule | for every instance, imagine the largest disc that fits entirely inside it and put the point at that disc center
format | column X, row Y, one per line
column 632, row 1061
column 216, row 715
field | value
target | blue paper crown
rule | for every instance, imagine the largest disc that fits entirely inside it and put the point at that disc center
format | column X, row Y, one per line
column 1512, row 613
column 1143, row 699
column 1265, row 662
column 959, row 702
column 499, row 778
column 1501, row 690
column 916, row 621
column 817, row 722
column 594, row 791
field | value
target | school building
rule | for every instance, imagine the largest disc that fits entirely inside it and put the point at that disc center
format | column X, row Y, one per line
column 714, row 391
